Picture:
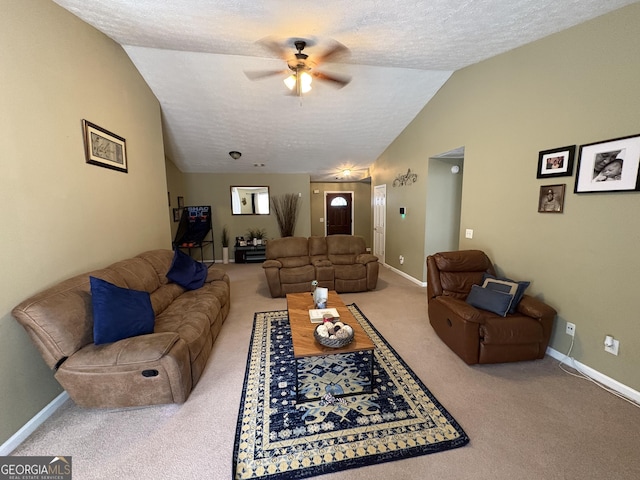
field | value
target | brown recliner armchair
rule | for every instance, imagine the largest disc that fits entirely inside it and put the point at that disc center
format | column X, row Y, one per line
column 474, row 334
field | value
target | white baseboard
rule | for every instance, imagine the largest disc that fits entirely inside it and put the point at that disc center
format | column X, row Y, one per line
column 21, row 435
column 408, row 277
column 608, row 382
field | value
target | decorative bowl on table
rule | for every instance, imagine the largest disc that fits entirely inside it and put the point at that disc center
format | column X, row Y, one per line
column 333, row 334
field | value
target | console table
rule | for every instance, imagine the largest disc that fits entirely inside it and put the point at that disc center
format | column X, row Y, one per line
column 250, row 253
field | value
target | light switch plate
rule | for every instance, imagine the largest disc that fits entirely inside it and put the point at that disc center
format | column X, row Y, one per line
column 468, row 233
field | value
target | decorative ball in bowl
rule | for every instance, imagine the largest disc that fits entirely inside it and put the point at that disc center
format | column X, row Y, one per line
column 333, row 334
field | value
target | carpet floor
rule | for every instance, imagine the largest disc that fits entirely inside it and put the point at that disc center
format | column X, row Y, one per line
column 526, row 420
column 281, row 434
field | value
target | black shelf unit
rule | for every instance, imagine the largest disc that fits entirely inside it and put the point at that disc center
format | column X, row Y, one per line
column 250, row 253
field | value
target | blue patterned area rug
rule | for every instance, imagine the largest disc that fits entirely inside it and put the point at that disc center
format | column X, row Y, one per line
column 279, row 438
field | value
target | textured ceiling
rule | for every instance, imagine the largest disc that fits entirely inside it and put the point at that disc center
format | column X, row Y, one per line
column 194, row 55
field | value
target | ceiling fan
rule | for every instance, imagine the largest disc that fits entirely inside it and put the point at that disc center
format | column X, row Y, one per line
column 301, row 68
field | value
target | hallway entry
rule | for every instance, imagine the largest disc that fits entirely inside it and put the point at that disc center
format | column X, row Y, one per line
column 444, row 202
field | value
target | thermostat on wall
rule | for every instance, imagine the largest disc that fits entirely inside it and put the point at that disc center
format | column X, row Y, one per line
column 403, row 211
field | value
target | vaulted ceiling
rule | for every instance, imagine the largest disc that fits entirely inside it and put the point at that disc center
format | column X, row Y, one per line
column 194, row 54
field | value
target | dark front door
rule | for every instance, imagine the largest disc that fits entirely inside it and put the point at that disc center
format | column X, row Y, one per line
column 339, row 213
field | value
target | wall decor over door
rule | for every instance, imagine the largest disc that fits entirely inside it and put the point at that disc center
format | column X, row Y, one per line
column 405, row 179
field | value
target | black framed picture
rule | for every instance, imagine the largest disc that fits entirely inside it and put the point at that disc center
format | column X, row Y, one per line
column 104, row 148
column 557, row 162
column 609, row 166
column 551, row 198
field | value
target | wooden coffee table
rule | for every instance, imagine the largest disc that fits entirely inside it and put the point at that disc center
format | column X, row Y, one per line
column 307, row 348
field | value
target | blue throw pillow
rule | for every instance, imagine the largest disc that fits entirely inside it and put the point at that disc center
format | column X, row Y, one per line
column 522, row 286
column 491, row 300
column 186, row 272
column 119, row 312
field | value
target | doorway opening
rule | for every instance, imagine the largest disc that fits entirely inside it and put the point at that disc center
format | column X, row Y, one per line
column 444, row 201
column 379, row 221
column 338, row 208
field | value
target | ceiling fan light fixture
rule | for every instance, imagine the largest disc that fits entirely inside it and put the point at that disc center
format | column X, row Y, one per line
column 305, row 82
column 290, row 81
column 235, row 155
column 303, row 77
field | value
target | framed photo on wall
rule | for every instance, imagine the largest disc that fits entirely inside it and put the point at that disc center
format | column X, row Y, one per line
column 177, row 214
column 180, row 202
column 557, row 162
column 104, row 148
column 609, row 166
column 551, row 198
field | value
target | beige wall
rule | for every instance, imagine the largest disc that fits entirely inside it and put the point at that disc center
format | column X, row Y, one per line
column 215, row 190
column 575, row 87
column 361, row 207
column 63, row 216
column 405, row 236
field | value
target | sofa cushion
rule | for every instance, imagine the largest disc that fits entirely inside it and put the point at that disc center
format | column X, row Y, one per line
column 191, row 316
column 287, row 247
column 522, row 286
column 350, row 272
column 133, row 273
column 462, row 261
column 186, row 272
column 298, row 275
column 160, row 260
column 119, row 313
column 458, row 284
column 502, row 286
column 293, row 262
column 492, row 300
column 513, row 330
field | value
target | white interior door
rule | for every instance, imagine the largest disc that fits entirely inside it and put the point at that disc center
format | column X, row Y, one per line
column 379, row 220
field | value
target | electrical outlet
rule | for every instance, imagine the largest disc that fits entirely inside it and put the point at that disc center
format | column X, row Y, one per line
column 468, row 233
column 401, row 260
column 611, row 345
column 571, row 329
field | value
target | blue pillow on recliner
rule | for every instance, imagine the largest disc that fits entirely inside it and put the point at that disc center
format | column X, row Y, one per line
column 522, row 286
column 119, row 312
column 186, row 272
column 491, row 300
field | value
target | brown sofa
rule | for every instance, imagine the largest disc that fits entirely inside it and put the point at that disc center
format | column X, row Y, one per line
column 337, row 262
column 475, row 334
column 161, row 367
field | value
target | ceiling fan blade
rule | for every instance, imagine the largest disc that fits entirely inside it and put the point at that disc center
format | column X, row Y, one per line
column 259, row 75
column 335, row 51
column 274, row 47
column 337, row 81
